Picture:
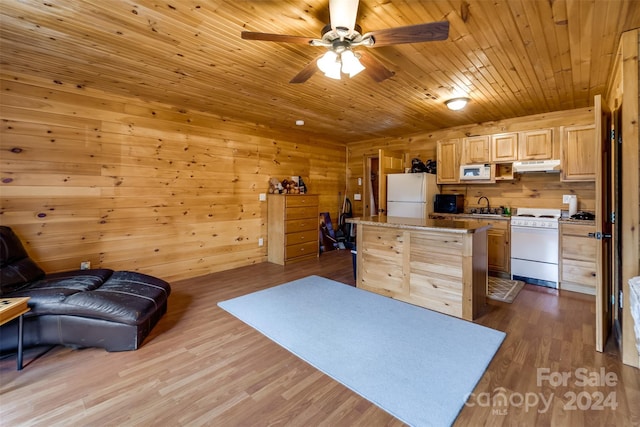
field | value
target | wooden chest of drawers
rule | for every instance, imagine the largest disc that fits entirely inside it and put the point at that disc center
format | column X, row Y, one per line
column 292, row 233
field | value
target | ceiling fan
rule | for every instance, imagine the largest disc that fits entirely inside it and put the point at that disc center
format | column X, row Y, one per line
column 343, row 34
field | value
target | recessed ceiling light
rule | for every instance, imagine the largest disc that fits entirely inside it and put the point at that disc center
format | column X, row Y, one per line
column 299, row 122
column 456, row 103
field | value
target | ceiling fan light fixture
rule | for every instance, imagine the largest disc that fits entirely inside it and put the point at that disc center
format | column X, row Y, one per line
column 350, row 63
column 329, row 64
column 456, row 104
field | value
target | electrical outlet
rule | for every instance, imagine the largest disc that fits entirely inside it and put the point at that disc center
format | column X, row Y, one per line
column 357, row 196
column 566, row 198
column 262, row 197
column 260, row 241
column 85, row 265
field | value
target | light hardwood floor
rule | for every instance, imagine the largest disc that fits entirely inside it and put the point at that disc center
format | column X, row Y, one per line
column 202, row 366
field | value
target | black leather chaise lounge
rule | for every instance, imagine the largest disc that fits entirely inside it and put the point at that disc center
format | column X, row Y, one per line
column 114, row 310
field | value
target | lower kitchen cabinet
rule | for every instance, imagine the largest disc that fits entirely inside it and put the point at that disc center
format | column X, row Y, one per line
column 499, row 255
column 498, row 242
column 578, row 258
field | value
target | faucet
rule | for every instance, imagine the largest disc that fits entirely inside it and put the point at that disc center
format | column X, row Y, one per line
column 488, row 206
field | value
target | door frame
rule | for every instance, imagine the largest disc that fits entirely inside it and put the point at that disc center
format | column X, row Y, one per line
column 603, row 223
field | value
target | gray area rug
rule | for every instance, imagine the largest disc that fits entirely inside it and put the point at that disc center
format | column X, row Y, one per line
column 416, row 364
column 503, row 289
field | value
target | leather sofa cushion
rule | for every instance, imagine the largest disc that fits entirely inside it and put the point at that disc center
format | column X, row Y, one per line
column 121, row 296
column 48, row 293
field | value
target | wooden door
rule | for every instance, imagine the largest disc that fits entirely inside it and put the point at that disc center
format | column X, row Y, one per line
column 390, row 162
column 603, row 225
column 370, row 185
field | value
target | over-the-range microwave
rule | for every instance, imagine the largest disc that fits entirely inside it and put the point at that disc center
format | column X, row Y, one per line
column 471, row 172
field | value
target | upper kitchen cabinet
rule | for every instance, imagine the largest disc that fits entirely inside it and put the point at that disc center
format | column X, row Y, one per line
column 475, row 150
column 504, row 147
column 448, row 161
column 578, row 153
column 535, row 145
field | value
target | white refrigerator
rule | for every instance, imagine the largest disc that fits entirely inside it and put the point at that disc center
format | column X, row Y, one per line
column 411, row 195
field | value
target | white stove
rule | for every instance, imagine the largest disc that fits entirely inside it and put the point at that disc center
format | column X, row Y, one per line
column 534, row 246
column 534, row 217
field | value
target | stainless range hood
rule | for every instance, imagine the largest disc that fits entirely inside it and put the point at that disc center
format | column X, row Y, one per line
column 526, row 166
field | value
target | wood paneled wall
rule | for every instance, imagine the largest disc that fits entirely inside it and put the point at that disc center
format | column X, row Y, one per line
column 530, row 190
column 126, row 184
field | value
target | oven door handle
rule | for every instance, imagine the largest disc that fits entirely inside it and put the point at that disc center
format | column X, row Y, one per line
column 534, row 229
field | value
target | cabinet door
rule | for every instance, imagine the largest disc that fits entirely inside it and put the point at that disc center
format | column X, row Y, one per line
column 535, row 145
column 499, row 254
column 504, row 147
column 578, row 270
column 499, row 249
column 383, row 261
column 448, row 161
column 476, row 150
column 578, row 153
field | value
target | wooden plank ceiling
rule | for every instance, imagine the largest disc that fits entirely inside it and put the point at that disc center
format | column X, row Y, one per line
column 511, row 57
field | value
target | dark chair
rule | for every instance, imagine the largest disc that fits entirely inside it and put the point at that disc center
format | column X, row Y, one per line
column 114, row 310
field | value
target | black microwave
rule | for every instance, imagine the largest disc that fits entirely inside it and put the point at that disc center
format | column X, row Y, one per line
column 449, row 203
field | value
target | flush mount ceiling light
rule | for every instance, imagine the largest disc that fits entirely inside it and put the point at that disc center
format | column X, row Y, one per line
column 456, row 104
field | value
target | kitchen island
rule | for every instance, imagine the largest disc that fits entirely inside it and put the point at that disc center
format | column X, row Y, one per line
column 437, row 264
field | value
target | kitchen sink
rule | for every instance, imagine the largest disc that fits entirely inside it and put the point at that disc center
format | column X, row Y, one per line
column 485, row 215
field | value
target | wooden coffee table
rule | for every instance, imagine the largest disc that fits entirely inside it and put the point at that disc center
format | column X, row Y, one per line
column 11, row 308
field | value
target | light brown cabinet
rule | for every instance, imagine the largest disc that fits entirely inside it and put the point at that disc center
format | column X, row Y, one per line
column 476, row 150
column 292, row 228
column 578, row 258
column 499, row 252
column 424, row 263
column 498, row 241
column 448, row 161
column 578, row 153
column 504, row 147
column 535, row 145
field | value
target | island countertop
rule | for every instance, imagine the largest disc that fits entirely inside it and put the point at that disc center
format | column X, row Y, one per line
column 451, row 226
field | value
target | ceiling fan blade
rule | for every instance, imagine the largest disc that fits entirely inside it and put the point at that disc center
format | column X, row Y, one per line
column 374, row 68
column 432, row 31
column 306, row 72
column 267, row 37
